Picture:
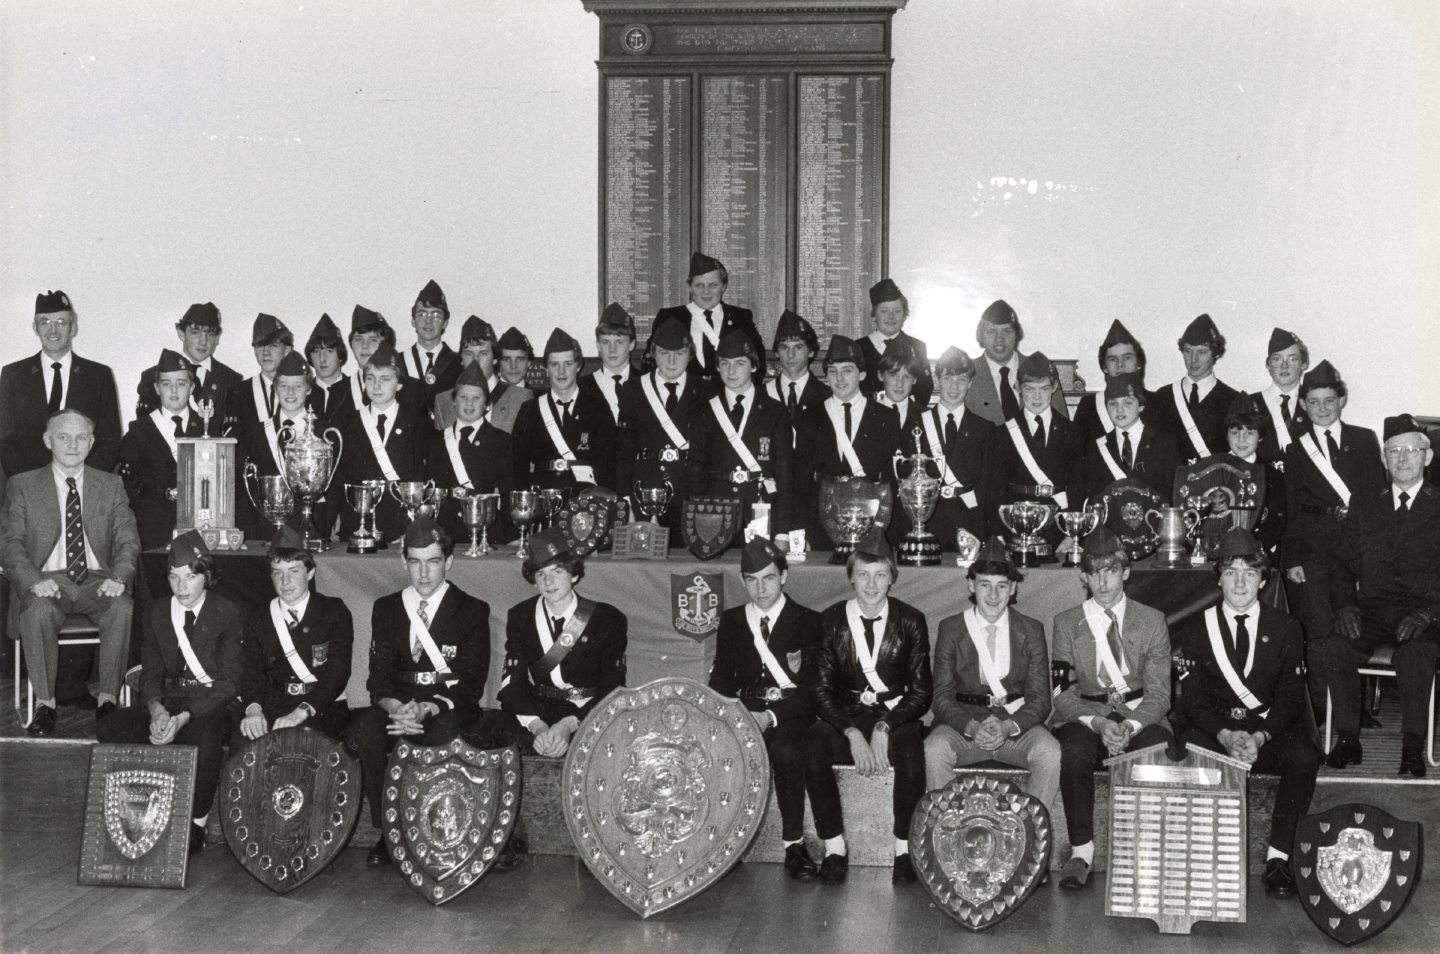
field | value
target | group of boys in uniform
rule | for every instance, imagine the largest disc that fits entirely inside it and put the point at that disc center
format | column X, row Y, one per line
column 1355, row 530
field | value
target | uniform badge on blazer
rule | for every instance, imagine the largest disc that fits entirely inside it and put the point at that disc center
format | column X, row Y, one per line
column 584, row 440
column 792, row 661
column 449, row 651
column 764, row 448
column 319, row 654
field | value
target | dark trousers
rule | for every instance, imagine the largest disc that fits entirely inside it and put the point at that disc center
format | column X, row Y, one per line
column 208, row 733
column 1311, row 606
column 786, row 745
column 371, row 743
column 826, row 746
column 1338, row 659
column 1295, row 758
column 1082, row 751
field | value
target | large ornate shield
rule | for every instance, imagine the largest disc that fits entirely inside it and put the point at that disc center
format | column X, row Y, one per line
column 664, row 788
column 980, row 846
column 1226, row 492
column 291, row 799
column 1355, row 867
column 137, row 816
column 709, row 524
column 585, row 523
column 448, row 811
column 1127, row 501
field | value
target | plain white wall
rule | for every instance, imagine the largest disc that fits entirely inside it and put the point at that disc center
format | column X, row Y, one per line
column 1267, row 161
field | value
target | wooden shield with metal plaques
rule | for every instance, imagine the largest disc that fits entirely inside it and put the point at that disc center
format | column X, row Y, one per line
column 1127, row 502
column 709, row 524
column 290, row 800
column 1355, row 867
column 448, row 811
column 980, row 846
column 1225, row 491
column 137, row 816
column 664, row 788
column 585, row 523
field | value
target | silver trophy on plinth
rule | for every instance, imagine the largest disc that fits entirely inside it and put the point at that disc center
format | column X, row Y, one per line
column 412, row 495
column 478, row 510
column 365, row 496
column 1025, row 519
column 524, row 511
column 1075, row 524
column 919, row 492
column 652, row 500
column 849, row 507
column 309, row 466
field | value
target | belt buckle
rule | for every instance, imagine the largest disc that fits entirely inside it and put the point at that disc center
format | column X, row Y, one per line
column 295, row 689
column 739, row 476
column 947, row 491
column 669, row 455
column 560, row 466
column 172, row 493
column 1044, row 490
column 772, row 694
column 1115, row 697
column 868, row 697
column 1238, row 714
column 425, row 679
column 996, row 701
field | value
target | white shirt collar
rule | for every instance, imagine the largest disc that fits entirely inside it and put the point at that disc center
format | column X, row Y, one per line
column 411, row 598
column 177, row 612
column 568, row 610
column 662, row 384
column 299, row 607
column 1092, row 608
column 1396, row 489
column 754, row 613
column 1205, row 385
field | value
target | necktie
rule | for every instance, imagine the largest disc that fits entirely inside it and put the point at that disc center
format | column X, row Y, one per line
column 1331, row 448
column 1285, row 409
column 56, row 387
column 952, row 431
column 294, row 619
column 1242, row 639
column 765, row 629
column 465, row 433
column 380, row 426
column 267, row 394
column 189, row 627
column 1404, row 502
column 1009, row 406
column 791, row 400
column 737, row 413
column 179, row 428
column 990, row 640
column 709, row 350
column 1194, row 401
column 564, row 413
column 557, row 626
column 1039, row 430
column 869, row 623
column 74, row 535
column 199, row 379
column 429, row 362
column 848, row 432
column 672, row 399
column 1112, row 636
column 288, row 423
column 616, row 379
column 1127, row 453
column 416, row 649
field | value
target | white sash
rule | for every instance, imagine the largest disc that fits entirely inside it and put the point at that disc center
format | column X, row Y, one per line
column 699, row 323
column 722, row 417
column 863, row 653
column 1113, row 669
column 357, row 390
column 608, row 390
column 282, row 630
column 272, row 437
column 1327, row 469
column 166, row 427
column 257, row 394
column 542, row 629
column 667, row 424
column 1177, row 392
column 1116, row 470
column 452, row 449
column 1022, row 447
column 1103, row 414
column 1277, row 418
column 777, row 672
column 1227, row 668
column 382, row 456
column 192, row 661
column 421, row 633
column 837, row 424
column 947, row 476
column 584, row 473
column 992, row 668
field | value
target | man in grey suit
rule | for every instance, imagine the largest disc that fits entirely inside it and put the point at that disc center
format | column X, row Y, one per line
column 69, row 544
column 995, row 393
column 1118, row 697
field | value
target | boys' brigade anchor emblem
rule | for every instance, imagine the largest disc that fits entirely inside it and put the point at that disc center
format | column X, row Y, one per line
column 697, row 600
column 1355, row 867
column 448, row 810
column 663, row 789
column 290, row 800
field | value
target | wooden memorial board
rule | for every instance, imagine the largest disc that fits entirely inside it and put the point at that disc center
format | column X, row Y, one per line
column 137, row 816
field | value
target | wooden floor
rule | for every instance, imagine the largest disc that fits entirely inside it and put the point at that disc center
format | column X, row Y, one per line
column 548, row 905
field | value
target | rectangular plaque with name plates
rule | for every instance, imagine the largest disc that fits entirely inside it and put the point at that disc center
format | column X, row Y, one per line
column 205, row 490
column 137, row 816
column 1177, row 838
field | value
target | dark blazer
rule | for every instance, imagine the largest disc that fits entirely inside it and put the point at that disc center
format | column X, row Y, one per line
column 408, row 446
column 340, row 403
column 814, row 392
column 767, row 435
column 971, row 458
column 32, row 525
column 1311, row 528
column 872, row 384
column 983, row 399
column 590, row 434
column 219, row 644
column 1386, row 560
column 149, row 471
column 1298, row 423
column 957, row 670
column 25, row 408
column 1155, row 460
column 1145, row 640
column 590, row 384
column 324, row 641
column 1061, row 458
column 903, row 664
column 328, row 402
column 217, row 384
column 596, row 661
column 446, row 370
column 1094, row 421
column 486, row 457
column 1209, row 420
column 738, row 666
column 460, row 626
column 733, row 318
column 640, row 438
column 1276, row 676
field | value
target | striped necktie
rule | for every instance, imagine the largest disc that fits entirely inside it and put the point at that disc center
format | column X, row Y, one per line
column 74, row 535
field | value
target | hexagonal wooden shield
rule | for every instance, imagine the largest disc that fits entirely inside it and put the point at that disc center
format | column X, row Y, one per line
column 664, row 788
column 1355, row 867
column 291, row 799
column 448, row 811
column 980, row 846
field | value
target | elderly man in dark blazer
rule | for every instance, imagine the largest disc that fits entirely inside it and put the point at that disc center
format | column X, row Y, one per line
column 68, row 543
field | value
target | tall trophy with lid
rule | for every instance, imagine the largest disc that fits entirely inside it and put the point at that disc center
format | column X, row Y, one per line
column 919, row 491
column 310, row 462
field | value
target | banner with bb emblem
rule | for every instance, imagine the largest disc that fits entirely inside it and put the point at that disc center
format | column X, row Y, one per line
column 696, row 602
column 1355, row 867
column 137, row 816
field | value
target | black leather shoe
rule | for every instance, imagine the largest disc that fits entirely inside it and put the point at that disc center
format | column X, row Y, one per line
column 1347, row 752
column 379, row 855
column 104, row 709
column 904, row 871
column 799, row 863
column 1278, row 881
column 86, row 701
column 44, row 721
column 197, row 838
column 834, row 868
column 1412, row 763
column 1368, row 721
column 512, row 854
